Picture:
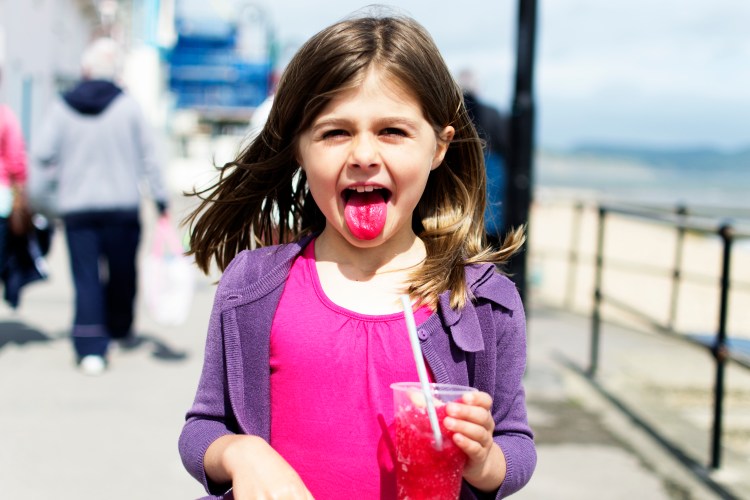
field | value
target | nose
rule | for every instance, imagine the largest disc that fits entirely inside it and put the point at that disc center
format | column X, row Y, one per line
column 364, row 152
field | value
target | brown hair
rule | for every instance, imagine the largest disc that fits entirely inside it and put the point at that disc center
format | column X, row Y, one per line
column 261, row 197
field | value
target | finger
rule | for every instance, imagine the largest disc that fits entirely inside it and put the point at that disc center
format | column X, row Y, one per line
column 476, row 414
column 475, row 450
column 477, row 398
column 470, row 430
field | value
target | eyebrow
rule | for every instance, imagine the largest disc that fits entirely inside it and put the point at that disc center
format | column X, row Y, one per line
column 381, row 122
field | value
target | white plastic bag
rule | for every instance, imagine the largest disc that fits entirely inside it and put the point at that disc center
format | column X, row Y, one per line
column 169, row 277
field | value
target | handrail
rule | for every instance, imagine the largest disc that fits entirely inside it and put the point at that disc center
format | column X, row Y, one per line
column 682, row 221
column 681, row 218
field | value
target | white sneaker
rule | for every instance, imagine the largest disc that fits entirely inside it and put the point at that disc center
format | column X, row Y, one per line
column 92, row 365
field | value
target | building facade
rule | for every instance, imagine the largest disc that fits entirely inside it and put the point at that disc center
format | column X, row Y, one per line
column 41, row 42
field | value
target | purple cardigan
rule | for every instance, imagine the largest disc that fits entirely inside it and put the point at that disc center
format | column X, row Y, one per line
column 483, row 345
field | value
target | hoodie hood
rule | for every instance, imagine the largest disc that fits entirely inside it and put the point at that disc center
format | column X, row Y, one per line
column 91, row 97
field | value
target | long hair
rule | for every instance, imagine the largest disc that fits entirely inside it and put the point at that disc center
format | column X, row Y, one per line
column 262, row 198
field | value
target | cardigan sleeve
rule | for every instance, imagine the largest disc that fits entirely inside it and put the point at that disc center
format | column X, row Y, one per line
column 214, row 410
column 209, row 418
column 499, row 369
column 512, row 431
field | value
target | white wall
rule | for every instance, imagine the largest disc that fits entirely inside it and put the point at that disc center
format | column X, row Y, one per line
column 43, row 43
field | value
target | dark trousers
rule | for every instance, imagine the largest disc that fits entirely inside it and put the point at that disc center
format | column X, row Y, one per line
column 3, row 241
column 102, row 248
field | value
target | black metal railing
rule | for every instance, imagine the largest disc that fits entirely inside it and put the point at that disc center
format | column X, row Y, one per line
column 683, row 221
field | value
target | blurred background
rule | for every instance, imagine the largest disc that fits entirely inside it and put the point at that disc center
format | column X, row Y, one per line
column 625, row 129
column 613, row 79
column 629, row 101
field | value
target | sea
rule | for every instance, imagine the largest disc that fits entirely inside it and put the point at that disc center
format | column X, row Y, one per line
column 721, row 189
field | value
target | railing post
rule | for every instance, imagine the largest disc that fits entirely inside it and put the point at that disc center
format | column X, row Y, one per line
column 596, row 313
column 720, row 349
column 677, row 270
column 575, row 235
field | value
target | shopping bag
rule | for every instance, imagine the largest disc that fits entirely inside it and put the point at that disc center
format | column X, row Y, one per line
column 19, row 220
column 169, row 277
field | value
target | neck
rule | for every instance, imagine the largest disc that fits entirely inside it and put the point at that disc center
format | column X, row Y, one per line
column 368, row 280
column 364, row 263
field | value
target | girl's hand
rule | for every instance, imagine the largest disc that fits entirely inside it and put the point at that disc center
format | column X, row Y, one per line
column 471, row 420
column 255, row 470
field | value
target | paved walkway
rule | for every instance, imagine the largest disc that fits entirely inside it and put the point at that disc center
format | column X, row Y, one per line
column 67, row 436
column 641, row 429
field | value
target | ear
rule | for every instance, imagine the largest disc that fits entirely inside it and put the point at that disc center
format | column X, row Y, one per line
column 443, row 142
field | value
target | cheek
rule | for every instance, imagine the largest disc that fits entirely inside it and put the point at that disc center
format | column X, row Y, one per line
column 323, row 189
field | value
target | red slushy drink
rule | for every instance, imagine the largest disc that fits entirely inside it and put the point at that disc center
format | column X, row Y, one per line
column 423, row 471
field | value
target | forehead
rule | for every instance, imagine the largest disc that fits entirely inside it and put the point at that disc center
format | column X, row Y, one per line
column 376, row 84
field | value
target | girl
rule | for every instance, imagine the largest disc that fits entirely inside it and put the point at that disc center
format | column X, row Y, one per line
column 367, row 182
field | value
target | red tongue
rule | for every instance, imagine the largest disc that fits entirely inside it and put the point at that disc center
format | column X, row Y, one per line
column 365, row 214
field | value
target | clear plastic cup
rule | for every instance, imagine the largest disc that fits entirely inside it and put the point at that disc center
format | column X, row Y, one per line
column 423, row 471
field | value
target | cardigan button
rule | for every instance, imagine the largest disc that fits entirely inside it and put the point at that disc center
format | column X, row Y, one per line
column 422, row 334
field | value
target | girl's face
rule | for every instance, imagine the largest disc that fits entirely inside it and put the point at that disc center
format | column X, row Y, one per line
column 367, row 157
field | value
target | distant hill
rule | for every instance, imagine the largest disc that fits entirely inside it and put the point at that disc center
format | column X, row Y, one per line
column 688, row 158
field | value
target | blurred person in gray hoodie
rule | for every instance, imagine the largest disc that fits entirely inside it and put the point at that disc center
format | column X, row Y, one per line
column 99, row 149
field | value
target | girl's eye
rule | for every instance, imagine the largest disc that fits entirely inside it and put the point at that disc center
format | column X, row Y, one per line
column 394, row 131
column 329, row 134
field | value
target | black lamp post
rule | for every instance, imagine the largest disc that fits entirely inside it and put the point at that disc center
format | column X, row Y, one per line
column 520, row 178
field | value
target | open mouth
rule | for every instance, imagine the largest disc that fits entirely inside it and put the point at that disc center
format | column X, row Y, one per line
column 365, row 192
column 366, row 210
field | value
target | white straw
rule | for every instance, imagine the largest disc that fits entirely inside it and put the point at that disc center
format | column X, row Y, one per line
column 411, row 326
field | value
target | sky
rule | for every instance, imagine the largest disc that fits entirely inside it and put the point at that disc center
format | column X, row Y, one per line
column 671, row 73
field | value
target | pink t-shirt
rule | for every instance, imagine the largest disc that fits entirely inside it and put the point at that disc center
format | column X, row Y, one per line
column 331, row 401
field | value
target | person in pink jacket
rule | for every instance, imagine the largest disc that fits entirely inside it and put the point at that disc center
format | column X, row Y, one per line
column 12, row 171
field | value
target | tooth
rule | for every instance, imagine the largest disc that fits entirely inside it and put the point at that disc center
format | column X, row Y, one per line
column 360, row 189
